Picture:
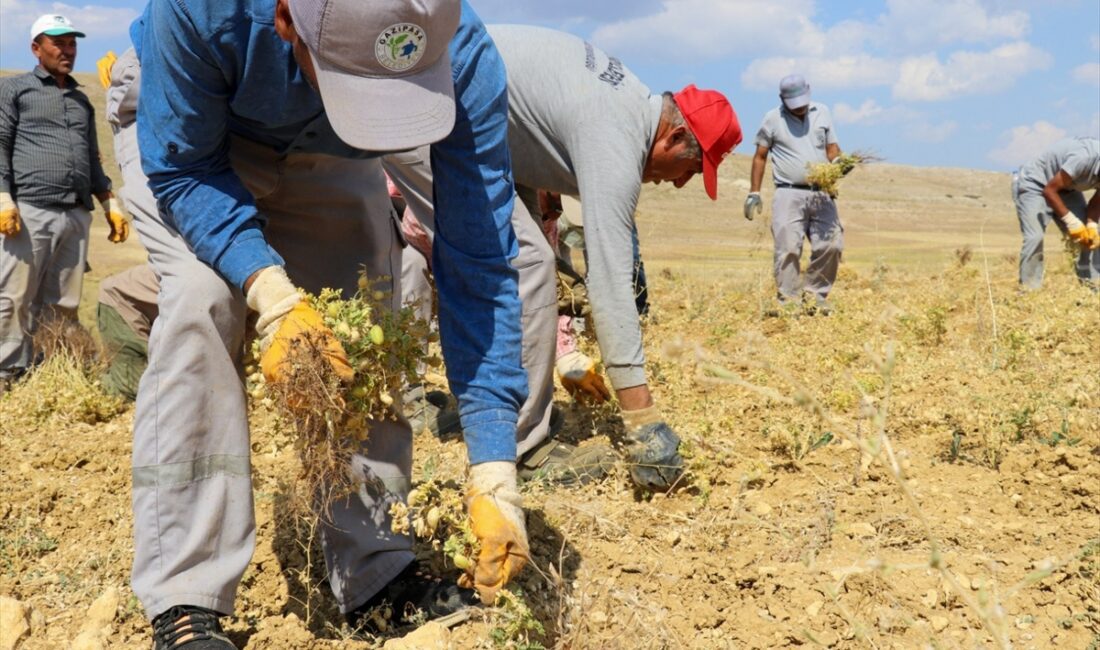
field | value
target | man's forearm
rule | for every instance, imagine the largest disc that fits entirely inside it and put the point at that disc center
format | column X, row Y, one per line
column 757, row 173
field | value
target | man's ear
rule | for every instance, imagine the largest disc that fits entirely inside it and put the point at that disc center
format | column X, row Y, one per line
column 675, row 136
column 284, row 22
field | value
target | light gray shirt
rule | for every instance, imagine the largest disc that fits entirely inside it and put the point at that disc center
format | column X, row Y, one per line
column 794, row 143
column 1079, row 158
column 580, row 123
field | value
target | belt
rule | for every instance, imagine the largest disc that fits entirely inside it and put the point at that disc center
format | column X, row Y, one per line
column 790, row 186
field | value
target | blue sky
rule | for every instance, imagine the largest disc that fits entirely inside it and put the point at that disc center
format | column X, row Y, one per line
column 954, row 83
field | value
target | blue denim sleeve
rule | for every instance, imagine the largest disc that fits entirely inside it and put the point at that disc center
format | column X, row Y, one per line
column 183, row 133
column 479, row 308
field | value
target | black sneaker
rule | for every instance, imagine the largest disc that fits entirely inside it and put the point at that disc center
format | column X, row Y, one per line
column 414, row 596
column 187, row 627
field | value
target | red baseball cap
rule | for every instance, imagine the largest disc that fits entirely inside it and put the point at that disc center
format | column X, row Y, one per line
column 711, row 118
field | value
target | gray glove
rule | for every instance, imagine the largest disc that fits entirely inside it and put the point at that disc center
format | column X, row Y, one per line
column 652, row 450
column 753, row 202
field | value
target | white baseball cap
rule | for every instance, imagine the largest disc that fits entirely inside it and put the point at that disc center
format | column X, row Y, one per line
column 382, row 68
column 53, row 25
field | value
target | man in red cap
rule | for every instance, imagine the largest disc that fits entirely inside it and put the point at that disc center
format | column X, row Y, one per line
column 581, row 124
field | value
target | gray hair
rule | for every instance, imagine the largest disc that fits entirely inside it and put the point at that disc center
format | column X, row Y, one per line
column 670, row 112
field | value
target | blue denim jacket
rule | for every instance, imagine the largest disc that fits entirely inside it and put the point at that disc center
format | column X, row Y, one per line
column 212, row 68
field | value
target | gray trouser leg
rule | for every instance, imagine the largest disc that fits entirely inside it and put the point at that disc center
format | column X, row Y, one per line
column 411, row 172
column 1035, row 215
column 789, row 222
column 193, row 512
column 41, row 272
column 826, row 244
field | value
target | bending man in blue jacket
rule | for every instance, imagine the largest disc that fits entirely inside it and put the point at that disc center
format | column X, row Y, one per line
column 253, row 124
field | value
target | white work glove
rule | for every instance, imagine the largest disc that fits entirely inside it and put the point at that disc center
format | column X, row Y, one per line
column 753, row 203
column 9, row 216
column 120, row 225
column 283, row 317
column 1076, row 230
column 580, row 378
column 496, row 518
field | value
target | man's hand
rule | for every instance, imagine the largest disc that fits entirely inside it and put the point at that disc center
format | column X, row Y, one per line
column 753, row 203
column 652, row 449
column 120, row 225
column 496, row 518
column 103, row 66
column 9, row 216
column 285, row 318
column 1076, row 230
column 580, row 378
column 1094, row 235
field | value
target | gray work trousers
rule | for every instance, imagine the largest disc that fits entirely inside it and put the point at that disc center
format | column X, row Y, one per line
column 1035, row 215
column 535, row 264
column 41, row 275
column 194, row 527
column 796, row 215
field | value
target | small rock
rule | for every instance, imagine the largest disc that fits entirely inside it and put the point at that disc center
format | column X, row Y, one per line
column 939, row 623
column 862, row 529
column 827, row 638
column 814, row 608
column 103, row 610
column 14, row 621
column 930, row 598
column 598, row 617
column 430, row 636
column 673, row 538
column 761, row 509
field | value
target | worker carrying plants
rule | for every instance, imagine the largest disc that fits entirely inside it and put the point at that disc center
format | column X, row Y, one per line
column 1050, row 188
column 582, row 124
column 795, row 135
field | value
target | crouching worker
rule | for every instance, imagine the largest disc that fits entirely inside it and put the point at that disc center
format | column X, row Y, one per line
column 125, row 314
column 250, row 174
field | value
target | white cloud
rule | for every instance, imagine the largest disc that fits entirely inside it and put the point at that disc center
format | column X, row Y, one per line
column 1022, row 143
column 687, row 31
column 1087, row 73
column 920, row 24
column 867, row 112
column 922, row 131
column 925, row 78
column 17, row 16
column 857, row 71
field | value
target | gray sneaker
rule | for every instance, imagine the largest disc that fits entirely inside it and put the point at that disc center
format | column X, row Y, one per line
column 432, row 410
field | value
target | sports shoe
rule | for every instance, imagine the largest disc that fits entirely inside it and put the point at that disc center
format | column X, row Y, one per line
column 820, row 307
column 413, row 596
column 186, row 627
column 431, row 410
column 559, row 462
column 784, row 309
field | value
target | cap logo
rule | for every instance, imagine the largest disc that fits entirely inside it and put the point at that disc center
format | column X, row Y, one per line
column 399, row 47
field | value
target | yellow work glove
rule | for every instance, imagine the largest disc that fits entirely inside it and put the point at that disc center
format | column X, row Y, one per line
column 1094, row 235
column 9, row 216
column 580, row 378
column 284, row 317
column 496, row 518
column 1076, row 230
column 120, row 225
column 103, row 66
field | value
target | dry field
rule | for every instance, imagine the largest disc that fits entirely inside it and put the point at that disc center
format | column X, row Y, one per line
column 921, row 469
